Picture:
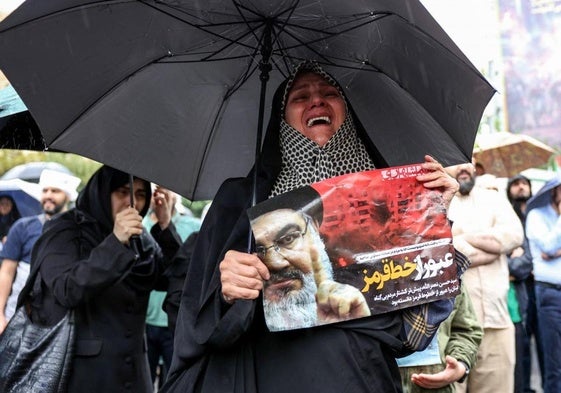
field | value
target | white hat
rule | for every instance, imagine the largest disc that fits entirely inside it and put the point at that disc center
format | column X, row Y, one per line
column 60, row 180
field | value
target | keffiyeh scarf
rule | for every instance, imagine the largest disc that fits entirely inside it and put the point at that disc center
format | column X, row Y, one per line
column 304, row 162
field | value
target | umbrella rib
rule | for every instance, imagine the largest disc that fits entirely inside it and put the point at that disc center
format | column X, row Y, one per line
column 232, row 41
column 330, row 34
column 375, row 18
column 290, row 11
column 251, row 30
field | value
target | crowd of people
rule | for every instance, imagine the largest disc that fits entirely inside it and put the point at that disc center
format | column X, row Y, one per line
column 119, row 255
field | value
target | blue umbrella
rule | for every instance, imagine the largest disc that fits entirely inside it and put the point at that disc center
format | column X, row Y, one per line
column 26, row 195
column 543, row 196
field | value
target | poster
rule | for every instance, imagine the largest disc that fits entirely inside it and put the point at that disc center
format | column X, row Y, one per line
column 353, row 246
column 530, row 32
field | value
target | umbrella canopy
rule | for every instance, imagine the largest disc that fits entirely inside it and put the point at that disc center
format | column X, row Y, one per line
column 19, row 131
column 175, row 91
column 26, row 195
column 505, row 154
column 543, row 196
column 31, row 171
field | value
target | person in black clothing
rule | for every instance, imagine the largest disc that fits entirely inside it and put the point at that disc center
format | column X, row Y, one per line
column 221, row 341
column 87, row 264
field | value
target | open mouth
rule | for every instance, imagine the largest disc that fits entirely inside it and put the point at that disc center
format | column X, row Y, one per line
column 314, row 121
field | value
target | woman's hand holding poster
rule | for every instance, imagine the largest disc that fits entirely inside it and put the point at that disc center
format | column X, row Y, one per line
column 352, row 246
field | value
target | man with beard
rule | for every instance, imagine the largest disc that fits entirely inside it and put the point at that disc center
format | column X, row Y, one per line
column 486, row 229
column 518, row 192
column 300, row 291
column 58, row 190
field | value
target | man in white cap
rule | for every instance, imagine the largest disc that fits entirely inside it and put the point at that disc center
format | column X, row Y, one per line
column 58, row 190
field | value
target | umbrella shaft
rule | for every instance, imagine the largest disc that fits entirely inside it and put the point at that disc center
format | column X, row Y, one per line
column 265, row 68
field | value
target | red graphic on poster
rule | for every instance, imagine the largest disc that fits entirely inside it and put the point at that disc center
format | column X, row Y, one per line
column 365, row 243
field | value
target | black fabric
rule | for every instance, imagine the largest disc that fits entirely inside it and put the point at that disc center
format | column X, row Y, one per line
column 95, row 198
column 86, row 268
column 176, row 278
column 305, row 199
column 222, row 348
column 36, row 358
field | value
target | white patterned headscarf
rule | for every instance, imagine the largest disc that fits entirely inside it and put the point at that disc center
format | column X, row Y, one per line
column 305, row 162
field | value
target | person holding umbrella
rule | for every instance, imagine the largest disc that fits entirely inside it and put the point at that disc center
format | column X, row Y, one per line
column 221, row 340
column 87, row 262
column 543, row 230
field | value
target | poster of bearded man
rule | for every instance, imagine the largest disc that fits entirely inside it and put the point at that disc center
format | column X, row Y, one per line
column 353, row 246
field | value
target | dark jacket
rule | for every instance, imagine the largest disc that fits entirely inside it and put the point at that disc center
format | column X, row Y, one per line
column 176, row 278
column 520, row 268
column 84, row 267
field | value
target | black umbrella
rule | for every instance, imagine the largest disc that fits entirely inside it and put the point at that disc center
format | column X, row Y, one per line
column 174, row 91
column 19, row 131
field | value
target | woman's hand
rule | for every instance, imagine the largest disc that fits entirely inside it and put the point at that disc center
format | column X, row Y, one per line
column 436, row 177
column 242, row 276
column 127, row 223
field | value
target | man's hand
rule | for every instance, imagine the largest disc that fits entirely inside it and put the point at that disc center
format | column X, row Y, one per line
column 454, row 371
column 517, row 252
column 242, row 276
column 338, row 302
column 127, row 223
